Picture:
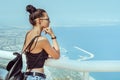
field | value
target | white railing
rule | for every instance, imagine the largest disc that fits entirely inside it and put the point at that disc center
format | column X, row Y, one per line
column 80, row 66
column 86, row 66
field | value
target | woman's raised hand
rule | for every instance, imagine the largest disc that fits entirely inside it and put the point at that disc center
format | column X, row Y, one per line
column 49, row 31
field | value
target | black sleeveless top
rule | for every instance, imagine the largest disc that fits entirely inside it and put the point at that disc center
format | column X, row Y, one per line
column 31, row 58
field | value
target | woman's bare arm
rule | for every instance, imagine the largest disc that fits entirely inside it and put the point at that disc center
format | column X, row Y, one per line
column 53, row 52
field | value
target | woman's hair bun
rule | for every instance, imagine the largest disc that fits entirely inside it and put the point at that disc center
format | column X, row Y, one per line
column 31, row 9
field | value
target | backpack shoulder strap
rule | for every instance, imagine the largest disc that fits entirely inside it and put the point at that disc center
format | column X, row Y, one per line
column 30, row 44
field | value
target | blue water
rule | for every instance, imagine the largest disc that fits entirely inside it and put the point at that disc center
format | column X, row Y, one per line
column 102, row 41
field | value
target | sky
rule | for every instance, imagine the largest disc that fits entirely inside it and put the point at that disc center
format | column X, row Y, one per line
column 62, row 12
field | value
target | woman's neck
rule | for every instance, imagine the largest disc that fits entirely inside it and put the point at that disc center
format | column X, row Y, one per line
column 37, row 30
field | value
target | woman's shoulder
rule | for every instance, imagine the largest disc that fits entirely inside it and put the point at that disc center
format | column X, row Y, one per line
column 42, row 38
column 43, row 41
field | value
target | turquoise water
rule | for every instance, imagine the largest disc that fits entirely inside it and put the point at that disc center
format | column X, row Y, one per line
column 102, row 41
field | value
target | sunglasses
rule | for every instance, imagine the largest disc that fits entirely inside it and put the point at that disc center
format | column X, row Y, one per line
column 46, row 19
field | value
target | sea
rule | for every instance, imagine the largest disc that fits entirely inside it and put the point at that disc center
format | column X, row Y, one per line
column 102, row 41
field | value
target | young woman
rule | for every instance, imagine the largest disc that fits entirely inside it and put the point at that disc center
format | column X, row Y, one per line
column 41, row 46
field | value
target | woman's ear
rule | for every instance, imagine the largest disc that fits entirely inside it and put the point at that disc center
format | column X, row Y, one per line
column 38, row 20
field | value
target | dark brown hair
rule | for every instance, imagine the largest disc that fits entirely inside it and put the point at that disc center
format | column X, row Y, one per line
column 34, row 13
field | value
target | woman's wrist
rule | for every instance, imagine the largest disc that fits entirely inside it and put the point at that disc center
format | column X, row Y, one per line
column 53, row 37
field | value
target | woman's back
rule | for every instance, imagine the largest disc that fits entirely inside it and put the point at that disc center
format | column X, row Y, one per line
column 37, row 44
